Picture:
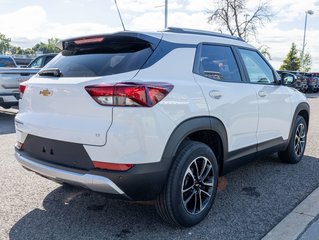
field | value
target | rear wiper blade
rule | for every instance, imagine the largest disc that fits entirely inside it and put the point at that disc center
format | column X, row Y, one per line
column 50, row 72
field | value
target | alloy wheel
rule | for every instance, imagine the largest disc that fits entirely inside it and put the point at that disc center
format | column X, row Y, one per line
column 300, row 139
column 198, row 185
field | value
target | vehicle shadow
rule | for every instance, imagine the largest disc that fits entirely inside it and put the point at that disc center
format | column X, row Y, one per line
column 7, row 123
column 312, row 95
column 253, row 199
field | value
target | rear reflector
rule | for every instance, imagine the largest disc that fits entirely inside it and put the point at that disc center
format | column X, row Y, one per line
column 112, row 166
column 129, row 94
column 22, row 88
column 19, row 145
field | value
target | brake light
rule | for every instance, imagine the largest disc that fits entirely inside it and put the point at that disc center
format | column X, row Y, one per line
column 128, row 94
column 22, row 88
column 112, row 166
column 89, row 40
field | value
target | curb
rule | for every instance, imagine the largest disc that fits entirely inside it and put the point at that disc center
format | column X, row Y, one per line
column 297, row 221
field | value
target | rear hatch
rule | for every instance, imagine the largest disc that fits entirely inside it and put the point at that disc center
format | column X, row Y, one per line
column 55, row 103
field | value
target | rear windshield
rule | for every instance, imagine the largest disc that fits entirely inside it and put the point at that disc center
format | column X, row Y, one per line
column 109, row 56
column 7, row 62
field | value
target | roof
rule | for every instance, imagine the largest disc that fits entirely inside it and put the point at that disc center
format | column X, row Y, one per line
column 200, row 32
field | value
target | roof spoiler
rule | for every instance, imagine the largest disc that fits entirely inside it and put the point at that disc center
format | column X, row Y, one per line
column 100, row 37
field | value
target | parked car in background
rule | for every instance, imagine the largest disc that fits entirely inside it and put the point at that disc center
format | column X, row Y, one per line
column 313, row 81
column 12, row 76
column 301, row 83
column 7, row 62
column 23, row 61
column 41, row 61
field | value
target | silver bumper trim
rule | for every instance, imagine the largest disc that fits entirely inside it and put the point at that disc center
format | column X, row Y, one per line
column 90, row 181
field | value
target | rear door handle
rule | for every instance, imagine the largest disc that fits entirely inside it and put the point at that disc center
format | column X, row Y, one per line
column 262, row 94
column 215, row 94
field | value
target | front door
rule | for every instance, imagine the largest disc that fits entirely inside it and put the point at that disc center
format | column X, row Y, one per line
column 229, row 97
column 273, row 99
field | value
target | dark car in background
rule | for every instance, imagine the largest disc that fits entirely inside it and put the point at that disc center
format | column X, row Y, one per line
column 23, row 61
column 301, row 83
column 41, row 61
column 7, row 62
column 313, row 81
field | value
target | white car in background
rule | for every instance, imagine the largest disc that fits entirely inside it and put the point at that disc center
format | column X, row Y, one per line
column 11, row 76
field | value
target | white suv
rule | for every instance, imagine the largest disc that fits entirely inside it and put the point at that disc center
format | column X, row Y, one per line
column 157, row 116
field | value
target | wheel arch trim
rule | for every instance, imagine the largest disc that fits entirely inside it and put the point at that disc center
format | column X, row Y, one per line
column 190, row 126
column 300, row 107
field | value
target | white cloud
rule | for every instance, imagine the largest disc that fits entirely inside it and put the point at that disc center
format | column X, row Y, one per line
column 27, row 21
column 279, row 42
column 78, row 29
column 199, row 5
column 30, row 25
column 146, row 6
column 288, row 11
column 154, row 21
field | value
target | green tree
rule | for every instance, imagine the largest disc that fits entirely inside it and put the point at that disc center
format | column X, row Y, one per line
column 28, row 51
column 4, row 43
column 49, row 47
column 307, row 62
column 15, row 50
column 292, row 60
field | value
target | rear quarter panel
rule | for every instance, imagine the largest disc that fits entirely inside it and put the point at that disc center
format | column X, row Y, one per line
column 139, row 135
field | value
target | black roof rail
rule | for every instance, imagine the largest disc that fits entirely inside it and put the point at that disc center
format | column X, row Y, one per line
column 200, row 32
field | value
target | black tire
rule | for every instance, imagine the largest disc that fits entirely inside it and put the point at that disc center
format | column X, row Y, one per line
column 172, row 203
column 293, row 154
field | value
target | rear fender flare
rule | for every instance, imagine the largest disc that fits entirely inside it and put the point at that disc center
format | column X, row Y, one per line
column 188, row 127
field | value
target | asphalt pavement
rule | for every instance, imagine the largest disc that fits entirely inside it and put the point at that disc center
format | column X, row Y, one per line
column 250, row 202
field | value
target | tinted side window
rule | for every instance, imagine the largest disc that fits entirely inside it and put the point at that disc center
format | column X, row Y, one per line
column 258, row 70
column 7, row 62
column 48, row 59
column 37, row 63
column 218, row 63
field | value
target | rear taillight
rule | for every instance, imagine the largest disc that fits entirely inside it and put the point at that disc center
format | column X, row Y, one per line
column 112, row 166
column 128, row 94
column 22, row 88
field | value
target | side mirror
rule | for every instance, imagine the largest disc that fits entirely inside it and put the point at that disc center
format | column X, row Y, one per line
column 288, row 79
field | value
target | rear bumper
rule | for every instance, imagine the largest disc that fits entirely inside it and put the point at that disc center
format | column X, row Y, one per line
column 142, row 182
column 93, row 182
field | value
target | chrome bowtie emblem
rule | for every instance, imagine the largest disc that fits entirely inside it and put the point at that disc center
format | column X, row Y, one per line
column 46, row 92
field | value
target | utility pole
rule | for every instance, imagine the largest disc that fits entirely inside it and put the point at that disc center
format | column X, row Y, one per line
column 166, row 13
column 310, row 12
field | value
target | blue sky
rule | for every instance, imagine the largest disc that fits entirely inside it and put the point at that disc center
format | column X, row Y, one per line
column 29, row 21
